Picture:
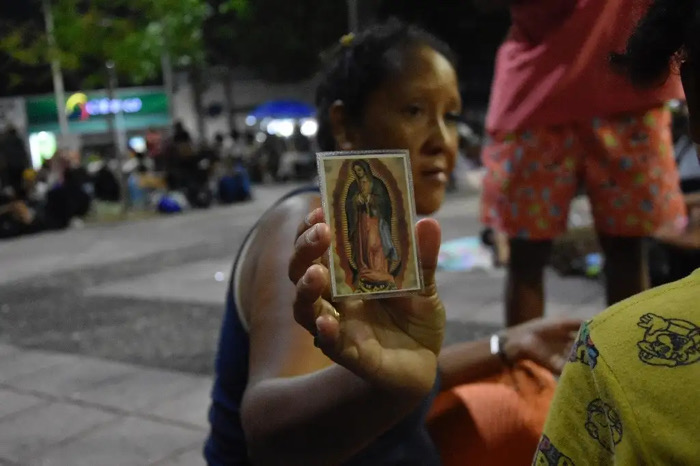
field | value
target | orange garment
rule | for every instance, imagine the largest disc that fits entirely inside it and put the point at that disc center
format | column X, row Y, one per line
column 497, row 421
column 625, row 163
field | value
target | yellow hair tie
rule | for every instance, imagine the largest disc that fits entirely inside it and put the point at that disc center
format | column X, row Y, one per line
column 346, row 40
column 28, row 174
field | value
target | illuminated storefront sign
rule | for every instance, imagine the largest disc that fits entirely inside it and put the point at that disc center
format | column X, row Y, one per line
column 78, row 106
column 88, row 112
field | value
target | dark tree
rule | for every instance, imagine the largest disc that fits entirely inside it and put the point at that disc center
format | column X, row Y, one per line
column 280, row 40
column 474, row 35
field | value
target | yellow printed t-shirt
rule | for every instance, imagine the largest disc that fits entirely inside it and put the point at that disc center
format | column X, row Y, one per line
column 630, row 393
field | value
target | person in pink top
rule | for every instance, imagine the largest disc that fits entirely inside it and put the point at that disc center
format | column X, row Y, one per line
column 560, row 119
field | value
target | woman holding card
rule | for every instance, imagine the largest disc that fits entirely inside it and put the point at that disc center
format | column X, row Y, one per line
column 353, row 384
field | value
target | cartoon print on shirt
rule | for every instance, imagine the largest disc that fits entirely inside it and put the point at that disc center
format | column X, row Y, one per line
column 603, row 424
column 668, row 342
column 548, row 455
column 583, row 349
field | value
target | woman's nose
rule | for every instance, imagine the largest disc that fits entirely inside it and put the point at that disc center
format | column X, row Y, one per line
column 440, row 137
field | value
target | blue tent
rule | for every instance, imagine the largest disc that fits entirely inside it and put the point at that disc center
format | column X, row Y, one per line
column 280, row 109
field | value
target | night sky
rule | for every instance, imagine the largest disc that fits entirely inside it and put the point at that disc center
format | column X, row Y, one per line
column 474, row 36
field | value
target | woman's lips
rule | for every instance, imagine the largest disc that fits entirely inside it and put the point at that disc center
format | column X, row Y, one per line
column 435, row 176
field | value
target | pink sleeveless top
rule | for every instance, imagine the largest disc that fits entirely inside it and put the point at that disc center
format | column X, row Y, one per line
column 553, row 67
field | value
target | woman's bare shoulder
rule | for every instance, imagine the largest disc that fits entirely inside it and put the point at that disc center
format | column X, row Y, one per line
column 273, row 239
column 278, row 345
column 284, row 219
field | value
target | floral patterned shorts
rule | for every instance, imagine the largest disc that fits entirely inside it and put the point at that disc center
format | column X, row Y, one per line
column 625, row 164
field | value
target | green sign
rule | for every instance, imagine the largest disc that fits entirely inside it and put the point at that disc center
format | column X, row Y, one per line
column 89, row 112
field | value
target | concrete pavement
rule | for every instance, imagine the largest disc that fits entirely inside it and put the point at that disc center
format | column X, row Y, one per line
column 107, row 334
column 59, row 409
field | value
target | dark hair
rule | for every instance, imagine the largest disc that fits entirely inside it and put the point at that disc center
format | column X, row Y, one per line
column 365, row 167
column 359, row 65
column 667, row 34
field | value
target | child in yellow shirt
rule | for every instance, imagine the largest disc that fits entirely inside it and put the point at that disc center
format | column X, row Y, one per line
column 629, row 393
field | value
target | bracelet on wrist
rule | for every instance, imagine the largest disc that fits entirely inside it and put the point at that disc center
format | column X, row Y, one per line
column 497, row 344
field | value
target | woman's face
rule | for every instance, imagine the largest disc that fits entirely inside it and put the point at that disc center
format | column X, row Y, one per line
column 359, row 171
column 416, row 111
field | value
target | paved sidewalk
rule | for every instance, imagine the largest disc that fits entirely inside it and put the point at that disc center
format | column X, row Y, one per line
column 95, row 245
column 58, row 409
column 130, row 300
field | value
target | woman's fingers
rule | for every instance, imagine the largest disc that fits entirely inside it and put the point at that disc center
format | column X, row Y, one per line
column 309, row 246
column 309, row 303
column 327, row 336
column 428, row 232
column 314, row 313
column 314, row 217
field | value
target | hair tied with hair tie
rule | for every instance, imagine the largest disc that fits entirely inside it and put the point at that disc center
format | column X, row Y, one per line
column 346, row 40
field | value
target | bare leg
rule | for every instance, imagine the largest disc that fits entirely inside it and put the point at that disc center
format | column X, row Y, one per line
column 525, row 281
column 502, row 247
column 626, row 272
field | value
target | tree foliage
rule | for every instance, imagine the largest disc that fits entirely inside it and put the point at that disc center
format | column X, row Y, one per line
column 132, row 33
column 279, row 39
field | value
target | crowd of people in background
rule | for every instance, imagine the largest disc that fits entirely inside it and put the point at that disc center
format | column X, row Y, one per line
column 38, row 200
column 222, row 169
column 171, row 174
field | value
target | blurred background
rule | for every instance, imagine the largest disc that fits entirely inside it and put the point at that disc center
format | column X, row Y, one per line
column 237, row 76
column 116, row 115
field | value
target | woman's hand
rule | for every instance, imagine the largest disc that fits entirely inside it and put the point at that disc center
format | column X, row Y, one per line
column 393, row 342
column 546, row 341
column 685, row 236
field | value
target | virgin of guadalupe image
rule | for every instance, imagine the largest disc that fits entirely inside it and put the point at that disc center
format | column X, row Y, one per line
column 375, row 258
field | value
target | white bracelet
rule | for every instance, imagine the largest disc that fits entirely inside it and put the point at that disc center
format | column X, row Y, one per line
column 497, row 344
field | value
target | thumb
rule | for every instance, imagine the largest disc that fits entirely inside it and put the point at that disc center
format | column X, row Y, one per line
column 428, row 233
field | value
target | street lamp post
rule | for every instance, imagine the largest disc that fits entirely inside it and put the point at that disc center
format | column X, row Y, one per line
column 168, row 81
column 353, row 19
column 114, row 120
column 56, row 74
column 167, row 69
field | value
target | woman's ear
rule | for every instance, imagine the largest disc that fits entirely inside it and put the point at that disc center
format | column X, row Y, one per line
column 339, row 126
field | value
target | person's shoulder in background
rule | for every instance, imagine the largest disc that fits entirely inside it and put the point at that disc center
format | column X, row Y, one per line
column 629, row 392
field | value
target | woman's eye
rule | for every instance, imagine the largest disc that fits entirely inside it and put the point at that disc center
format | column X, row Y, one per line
column 413, row 110
column 453, row 118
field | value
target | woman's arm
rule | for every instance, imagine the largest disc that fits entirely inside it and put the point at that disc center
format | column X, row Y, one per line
column 320, row 418
column 299, row 407
column 468, row 362
column 546, row 342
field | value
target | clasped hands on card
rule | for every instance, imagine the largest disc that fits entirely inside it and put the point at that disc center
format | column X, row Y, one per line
column 392, row 342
